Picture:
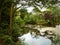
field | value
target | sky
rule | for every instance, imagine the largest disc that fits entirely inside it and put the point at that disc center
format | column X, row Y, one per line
column 30, row 9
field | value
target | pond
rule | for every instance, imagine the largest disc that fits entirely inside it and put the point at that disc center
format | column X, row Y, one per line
column 32, row 39
column 38, row 40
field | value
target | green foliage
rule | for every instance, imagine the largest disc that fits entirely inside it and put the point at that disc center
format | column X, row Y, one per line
column 4, row 25
column 7, row 40
column 56, row 11
column 33, row 19
column 56, row 40
column 23, row 13
column 49, row 2
column 49, row 18
column 19, row 20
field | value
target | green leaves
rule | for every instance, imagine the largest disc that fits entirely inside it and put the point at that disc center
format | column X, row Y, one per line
column 56, row 40
column 56, row 11
column 49, row 2
column 10, row 1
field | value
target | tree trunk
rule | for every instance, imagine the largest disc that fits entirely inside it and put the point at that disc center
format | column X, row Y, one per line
column 1, row 42
column 0, row 16
column 2, row 4
column 11, row 13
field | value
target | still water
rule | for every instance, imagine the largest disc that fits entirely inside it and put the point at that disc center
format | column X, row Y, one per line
column 38, row 40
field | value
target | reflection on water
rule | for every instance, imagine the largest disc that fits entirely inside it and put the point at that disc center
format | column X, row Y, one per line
column 38, row 40
column 46, row 34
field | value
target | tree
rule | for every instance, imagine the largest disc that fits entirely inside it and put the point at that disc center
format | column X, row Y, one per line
column 4, row 20
column 23, row 13
column 37, row 3
column 8, row 11
column 56, row 11
column 49, row 18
